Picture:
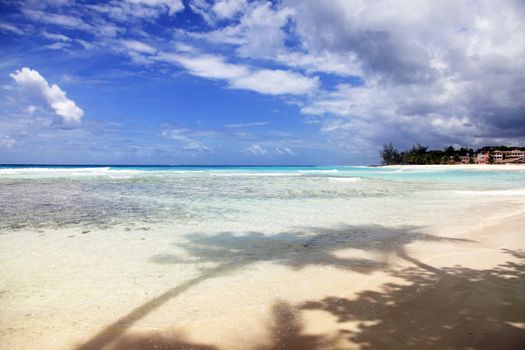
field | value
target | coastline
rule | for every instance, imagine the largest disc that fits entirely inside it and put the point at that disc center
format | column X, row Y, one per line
column 484, row 167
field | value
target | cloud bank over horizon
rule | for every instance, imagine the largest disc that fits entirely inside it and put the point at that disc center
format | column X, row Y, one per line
column 265, row 82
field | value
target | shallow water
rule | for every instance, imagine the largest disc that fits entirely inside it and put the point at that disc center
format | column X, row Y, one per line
column 103, row 197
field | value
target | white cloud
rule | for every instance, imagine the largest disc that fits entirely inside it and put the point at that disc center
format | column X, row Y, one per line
column 57, row 46
column 228, row 8
column 256, row 150
column 325, row 62
column 175, row 134
column 244, row 125
column 186, row 137
column 56, row 36
column 202, row 8
column 105, row 29
column 136, row 10
column 195, row 146
column 57, row 19
column 7, row 141
column 172, row 5
column 258, row 34
column 364, row 101
column 284, row 151
column 207, row 66
column 265, row 81
column 31, row 109
column 276, row 82
column 10, row 28
column 85, row 44
column 56, row 98
column 139, row 46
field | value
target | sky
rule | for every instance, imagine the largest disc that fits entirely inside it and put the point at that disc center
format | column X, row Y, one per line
column 290, row 82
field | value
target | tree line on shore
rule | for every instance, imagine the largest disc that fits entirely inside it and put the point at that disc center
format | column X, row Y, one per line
column 420, row 154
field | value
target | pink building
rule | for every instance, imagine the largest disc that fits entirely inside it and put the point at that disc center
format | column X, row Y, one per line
column 498, row 156
column 516, row 153
column 482, row 158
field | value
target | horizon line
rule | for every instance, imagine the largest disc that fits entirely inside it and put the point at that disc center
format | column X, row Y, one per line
column 182, row 165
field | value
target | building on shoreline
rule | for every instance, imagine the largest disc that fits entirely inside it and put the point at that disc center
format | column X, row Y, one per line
column 482, row 158
column 500, row 155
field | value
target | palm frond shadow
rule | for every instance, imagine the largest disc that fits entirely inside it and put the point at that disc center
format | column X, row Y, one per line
column 456, row 308
column 300, row 249
column 227, row 252
column 459, row 308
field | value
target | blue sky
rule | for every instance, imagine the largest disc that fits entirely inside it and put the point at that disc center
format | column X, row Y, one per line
column 256, row 82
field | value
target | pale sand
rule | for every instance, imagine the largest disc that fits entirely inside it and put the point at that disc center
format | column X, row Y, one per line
column 406, row 290
column 484, row 167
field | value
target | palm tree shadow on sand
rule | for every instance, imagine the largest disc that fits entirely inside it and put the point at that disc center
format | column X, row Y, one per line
column 227, row 253
column 285, row 333
column 455, row 308
column 450, row 308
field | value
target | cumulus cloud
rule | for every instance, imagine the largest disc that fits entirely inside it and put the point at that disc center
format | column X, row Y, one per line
column 56, row 98
column 438, row 70
column 258, row 33
column 416, row 66
column 324, row 62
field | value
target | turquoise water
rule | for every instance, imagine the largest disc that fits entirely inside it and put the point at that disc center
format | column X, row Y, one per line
column 102, row 197
column 456, row 175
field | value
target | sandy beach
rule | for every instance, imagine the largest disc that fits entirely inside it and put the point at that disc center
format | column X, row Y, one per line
column 481, row 167
column 451, row 276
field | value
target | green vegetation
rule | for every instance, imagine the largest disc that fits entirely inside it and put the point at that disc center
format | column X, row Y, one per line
column 420, row 154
